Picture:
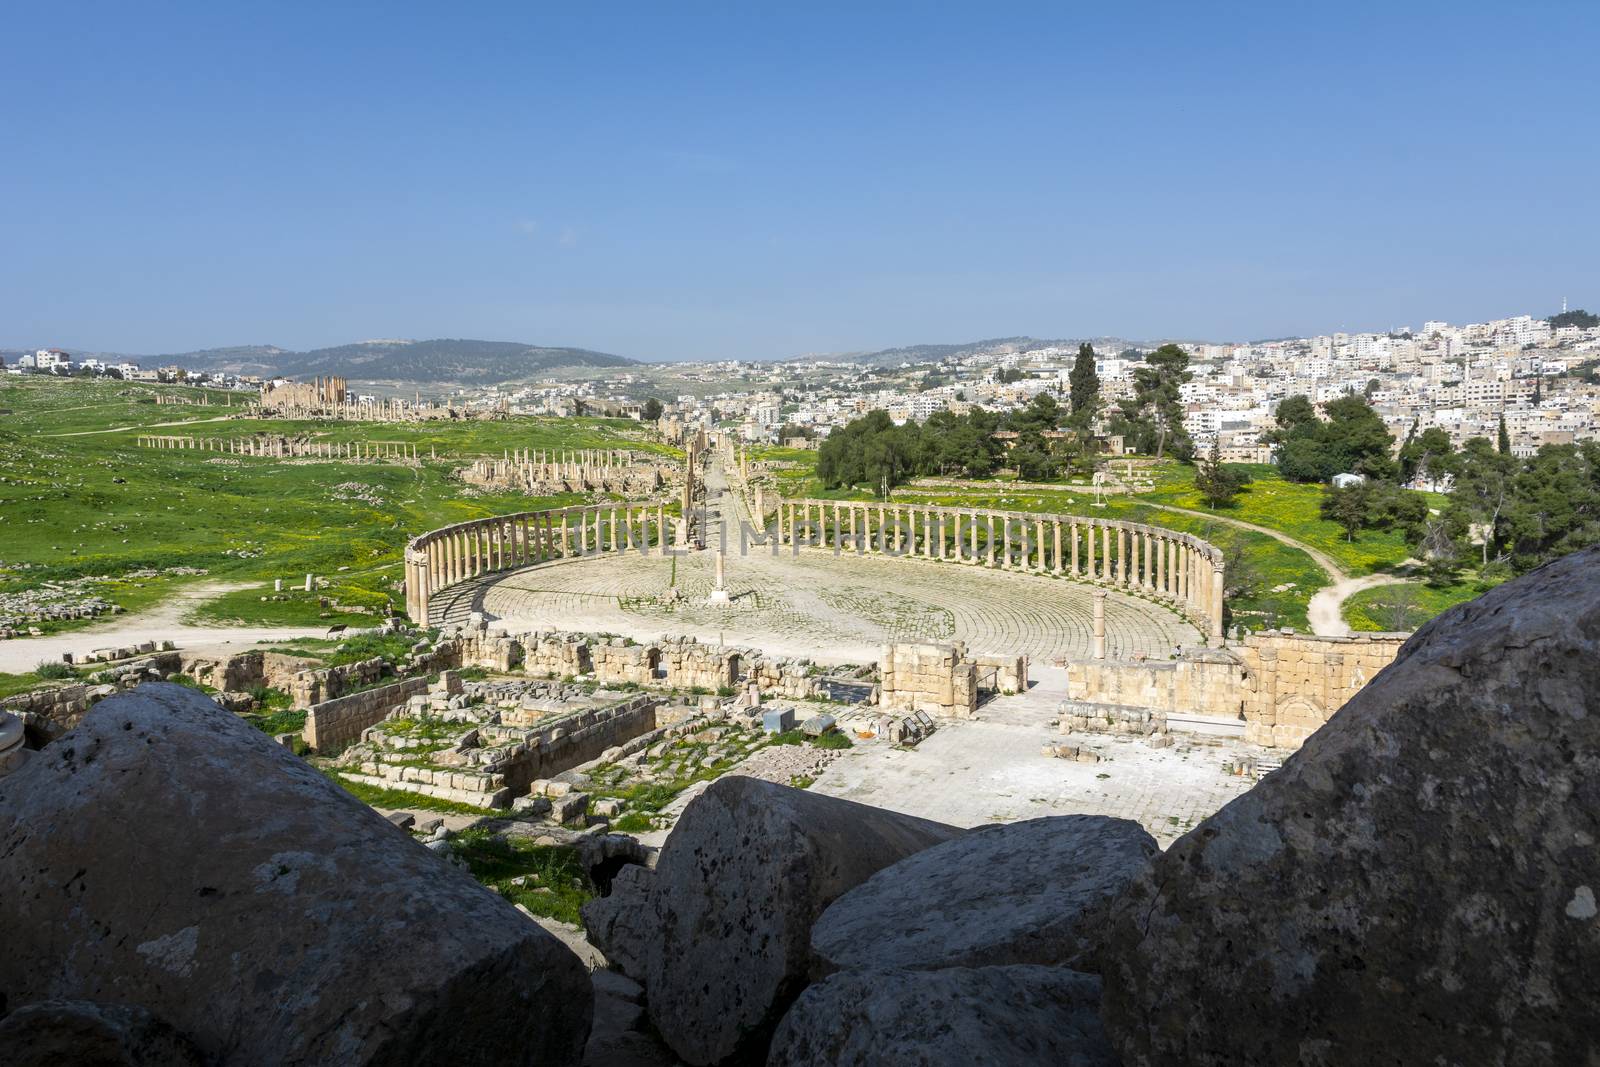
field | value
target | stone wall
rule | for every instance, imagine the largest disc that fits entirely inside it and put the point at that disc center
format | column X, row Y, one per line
column 1294, row 683
column 338, row 722
column 1006, row 674
column 566, row 743
column 246, row 671
column 1278, row 687
column 322, row 684
column 937, row 679
column 675, row 663
column 1207, row 682
column 49, row 713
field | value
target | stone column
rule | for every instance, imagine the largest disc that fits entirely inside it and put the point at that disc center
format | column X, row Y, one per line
column 1218, row 584
column 1099, row 647
column 1088, row 561
column 1055, row 537
column 992, row 545
column 1122, row 555
column 1105, row 553
column 1038, row 544
column 1074, row 561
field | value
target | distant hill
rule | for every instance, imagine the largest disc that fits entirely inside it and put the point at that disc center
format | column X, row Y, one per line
column 893, row 357
column 445, row 360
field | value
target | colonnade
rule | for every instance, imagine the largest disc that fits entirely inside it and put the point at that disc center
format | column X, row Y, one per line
column 454, row 554
column 1177, row 568
column 284, row 448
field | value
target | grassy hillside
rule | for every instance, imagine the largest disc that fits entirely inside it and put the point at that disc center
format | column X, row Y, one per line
column 442, row 360
column 117, row 519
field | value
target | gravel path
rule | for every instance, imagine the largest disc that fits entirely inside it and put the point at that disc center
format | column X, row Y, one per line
column 164, row 622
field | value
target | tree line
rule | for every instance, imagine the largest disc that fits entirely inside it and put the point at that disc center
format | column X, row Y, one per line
column 1502, row 514
column 872, row 451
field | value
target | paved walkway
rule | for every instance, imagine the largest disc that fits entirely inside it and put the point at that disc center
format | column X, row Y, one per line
column 970, row 773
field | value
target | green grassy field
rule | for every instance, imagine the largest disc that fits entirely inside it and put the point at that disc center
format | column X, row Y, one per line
column 1405, row 607
column 97, row 506
column 1292, row 508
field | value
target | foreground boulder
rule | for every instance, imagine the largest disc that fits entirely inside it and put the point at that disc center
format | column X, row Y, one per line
column 728, row 910
column 1027, row 892
column 56, row 1032
column 623, row 924
column 167, row 855
column 996, row 1016
column 1416, row 885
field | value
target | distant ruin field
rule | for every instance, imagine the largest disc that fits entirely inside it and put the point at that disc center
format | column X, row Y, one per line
column 86, row 511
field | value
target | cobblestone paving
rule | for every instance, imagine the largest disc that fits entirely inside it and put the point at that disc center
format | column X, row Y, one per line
column 831, row 609
column 970, row 773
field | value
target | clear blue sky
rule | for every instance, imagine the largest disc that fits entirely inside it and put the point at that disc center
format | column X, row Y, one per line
column 681, row 180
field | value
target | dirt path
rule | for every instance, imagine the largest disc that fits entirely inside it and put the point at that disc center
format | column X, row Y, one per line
column 1325, row 612
column 148, row 426
column 167, row 621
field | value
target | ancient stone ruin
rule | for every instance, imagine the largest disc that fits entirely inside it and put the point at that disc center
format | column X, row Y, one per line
column 1416, row 884
column 538, row 472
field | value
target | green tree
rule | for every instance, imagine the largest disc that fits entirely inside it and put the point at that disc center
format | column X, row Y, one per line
column 1503, row 438
column 1353, row 438
column 1427, row 455
column 1347, row 506
column 1295, row 416
column 1484, row 490
column 1358, row 437
column 1153, row 417
column 1217, row 483
column 1042, row 413
column 651, row 411
column 1084, row 397
column 1576, row 317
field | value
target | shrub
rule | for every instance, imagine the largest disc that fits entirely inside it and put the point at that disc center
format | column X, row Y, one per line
column 53, row 669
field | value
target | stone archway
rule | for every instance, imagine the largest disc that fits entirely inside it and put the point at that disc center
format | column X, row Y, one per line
column 1296, row 718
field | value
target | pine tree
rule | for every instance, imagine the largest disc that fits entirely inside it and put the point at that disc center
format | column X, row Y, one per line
column 1503, row 441
column 1085, row 385
column 1538, row 391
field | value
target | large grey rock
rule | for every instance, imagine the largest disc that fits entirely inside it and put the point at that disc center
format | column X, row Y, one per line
column 1022, row 1015
column 1416, row 885
column 728, row 911
column 1026, row 892
column 168, row 855
column 53, row 1033
column 623, row 924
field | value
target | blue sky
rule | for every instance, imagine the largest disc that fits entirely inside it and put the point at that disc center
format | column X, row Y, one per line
column 760, row 180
